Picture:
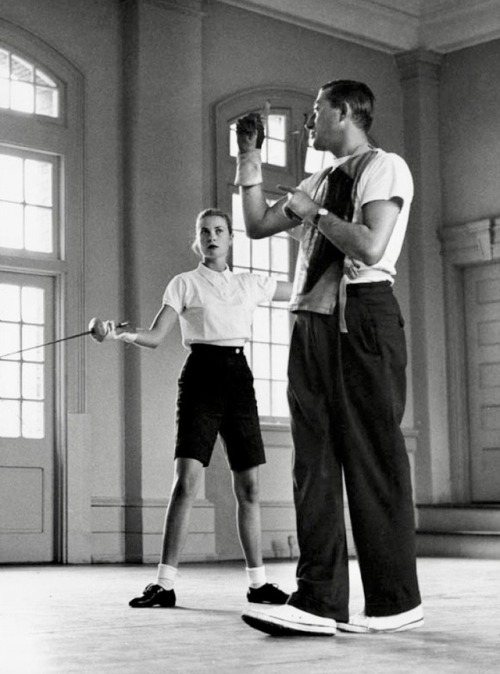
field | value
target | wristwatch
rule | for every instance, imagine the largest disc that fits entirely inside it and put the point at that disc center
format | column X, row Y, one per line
column 321, row 211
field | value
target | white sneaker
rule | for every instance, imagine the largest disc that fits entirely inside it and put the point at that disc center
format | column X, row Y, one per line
column 287, row 620
column 361, row 623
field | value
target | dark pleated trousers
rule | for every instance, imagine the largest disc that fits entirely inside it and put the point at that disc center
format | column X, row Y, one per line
column 347, row 395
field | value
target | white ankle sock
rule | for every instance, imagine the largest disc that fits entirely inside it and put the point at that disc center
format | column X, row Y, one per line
column 256, row 576
column 166, row 576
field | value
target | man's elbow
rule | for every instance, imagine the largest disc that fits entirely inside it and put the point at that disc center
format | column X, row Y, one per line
column 254, row 230
column 372, row 255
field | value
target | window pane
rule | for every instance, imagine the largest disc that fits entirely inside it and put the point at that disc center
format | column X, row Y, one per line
column 10, row 379
column 280, row 400
column 237, row 212
column 33, row 423
column 10, row 418
column 276, row 152
column 47, row 102
column 32, row 305
column 261, row 325
column 32, row 381
column 38, row 229
column 44, row 80
column 11, row 225
column 241, row 249
column 33, row 335
column 4, row 93
column 38, row 182
column 261, row 361
column 276, row 126
column 21, row 70
column 263, row 395
column 279, row 254
column 11, row 178
column 248, row 354
column 280, row 323
column 10, row 302
column 22, row 97
column 233, row 144
column 260, row 254
column 10, row 339
column 4, row 63
column 279, row 361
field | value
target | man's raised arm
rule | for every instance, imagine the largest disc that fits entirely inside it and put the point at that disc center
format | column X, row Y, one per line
column 261, row 220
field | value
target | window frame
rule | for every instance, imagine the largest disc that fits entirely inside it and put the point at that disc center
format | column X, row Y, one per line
column 61, row 137
column 297, row 105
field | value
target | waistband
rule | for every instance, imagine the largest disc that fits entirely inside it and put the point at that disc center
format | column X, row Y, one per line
column 213, row 350
column 368, row 288
column 357, row 290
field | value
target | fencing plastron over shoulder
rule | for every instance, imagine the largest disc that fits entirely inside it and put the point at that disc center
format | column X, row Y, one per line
column 320, row 263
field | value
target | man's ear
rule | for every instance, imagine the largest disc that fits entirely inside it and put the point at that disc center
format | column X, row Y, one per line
column 345, row 111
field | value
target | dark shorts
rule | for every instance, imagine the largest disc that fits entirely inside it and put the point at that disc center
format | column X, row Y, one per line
column 216, row 395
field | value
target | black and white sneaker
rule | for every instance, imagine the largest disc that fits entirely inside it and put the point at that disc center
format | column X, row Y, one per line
column 401, row 622
column 288, row 621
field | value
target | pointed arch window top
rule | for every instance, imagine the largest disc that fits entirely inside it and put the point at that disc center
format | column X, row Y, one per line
column 26, row 88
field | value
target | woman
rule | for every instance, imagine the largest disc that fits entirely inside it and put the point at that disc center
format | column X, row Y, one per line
column 215, row 308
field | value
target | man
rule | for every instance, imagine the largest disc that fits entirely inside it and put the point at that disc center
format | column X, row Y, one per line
column 347, row 384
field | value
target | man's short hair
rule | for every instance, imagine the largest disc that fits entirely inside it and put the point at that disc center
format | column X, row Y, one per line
column 359, row 97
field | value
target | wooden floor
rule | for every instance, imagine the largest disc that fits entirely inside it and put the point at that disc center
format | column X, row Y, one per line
column 68, row 619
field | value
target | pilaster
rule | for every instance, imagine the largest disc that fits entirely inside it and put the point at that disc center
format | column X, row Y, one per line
column 420, row 73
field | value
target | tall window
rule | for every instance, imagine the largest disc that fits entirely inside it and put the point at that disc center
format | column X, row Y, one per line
column 287, row 158
column 267, row 352
column 29, row 188
column 268, row 349
column 28, row 214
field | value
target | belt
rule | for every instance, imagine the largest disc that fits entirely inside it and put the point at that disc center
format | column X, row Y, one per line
column 215, row 350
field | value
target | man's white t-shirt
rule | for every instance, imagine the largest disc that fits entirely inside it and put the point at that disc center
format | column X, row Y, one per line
column 385, row 177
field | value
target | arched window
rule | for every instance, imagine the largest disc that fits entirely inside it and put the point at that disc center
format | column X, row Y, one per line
column 30, row 229
column 286, row 156
column 24, row 87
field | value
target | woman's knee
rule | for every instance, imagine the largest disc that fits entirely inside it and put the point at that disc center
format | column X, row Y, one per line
column 187, row 480
column 246, row 488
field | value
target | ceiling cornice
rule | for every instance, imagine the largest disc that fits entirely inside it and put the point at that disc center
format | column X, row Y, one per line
column 449, row 25
column 390, row 25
